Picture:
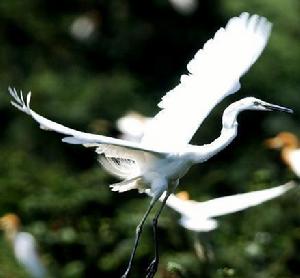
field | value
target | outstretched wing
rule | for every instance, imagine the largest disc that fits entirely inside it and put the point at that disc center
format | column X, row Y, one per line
column 184, row 207
column 75, row 136
column 224, row 205
column 198, row 216
column 214, row 73
column 238, row 202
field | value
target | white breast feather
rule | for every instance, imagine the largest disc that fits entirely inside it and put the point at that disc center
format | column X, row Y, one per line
column 294, row 157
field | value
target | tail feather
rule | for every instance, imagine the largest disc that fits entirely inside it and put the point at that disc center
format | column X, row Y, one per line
column 126, row 185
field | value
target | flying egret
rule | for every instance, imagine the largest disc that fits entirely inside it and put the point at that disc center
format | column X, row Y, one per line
column 290, row 149
column 164, row 154
column 199, row 216
column 24, row 245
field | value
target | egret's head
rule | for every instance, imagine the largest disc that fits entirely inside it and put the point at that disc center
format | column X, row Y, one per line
column 281, row 140
column 249, row 103
column 252, row 103
column 10, row 223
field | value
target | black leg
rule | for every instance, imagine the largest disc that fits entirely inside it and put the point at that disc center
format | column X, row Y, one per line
column 138, row 232
column 152, row 268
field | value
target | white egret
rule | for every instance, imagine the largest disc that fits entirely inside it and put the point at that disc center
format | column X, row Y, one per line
column 290, row 149
column 24, row 245
column 199, row 216
column 164, row 154
column 132, row 126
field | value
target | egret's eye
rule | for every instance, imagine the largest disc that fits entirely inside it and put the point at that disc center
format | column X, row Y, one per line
column 257, row 103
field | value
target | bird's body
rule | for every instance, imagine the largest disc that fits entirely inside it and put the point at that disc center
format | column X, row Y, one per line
column 199, row 216
column 290, row 149
column 164, row 154
column 293, row 160
column 24, row 246
column 174, row 165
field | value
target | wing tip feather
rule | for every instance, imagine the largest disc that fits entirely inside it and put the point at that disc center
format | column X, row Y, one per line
column 18, row 100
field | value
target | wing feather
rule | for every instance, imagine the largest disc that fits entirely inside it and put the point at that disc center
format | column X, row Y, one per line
column 120, row 162
column 214, row 73
column 229, row 204
column 75, row 136
column 198, row 216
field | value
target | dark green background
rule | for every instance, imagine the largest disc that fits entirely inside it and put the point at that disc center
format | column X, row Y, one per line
column 137, row 52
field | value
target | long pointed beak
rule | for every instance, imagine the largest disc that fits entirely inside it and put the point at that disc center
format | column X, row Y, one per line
column 273, row 107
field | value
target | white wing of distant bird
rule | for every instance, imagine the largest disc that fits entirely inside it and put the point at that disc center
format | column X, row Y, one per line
column 198, row 216
column 213, row 73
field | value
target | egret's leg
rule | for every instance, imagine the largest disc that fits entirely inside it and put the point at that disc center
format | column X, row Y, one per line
column 138, row 232
column 152, row 268
column 200, row 248
column 201, row 243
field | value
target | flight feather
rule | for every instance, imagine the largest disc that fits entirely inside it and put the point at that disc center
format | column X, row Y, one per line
column 213, row 74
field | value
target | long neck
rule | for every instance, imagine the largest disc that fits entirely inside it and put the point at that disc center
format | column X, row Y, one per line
column 286, row 153
column 11, row 234
column 228, row 133
column 291, row 143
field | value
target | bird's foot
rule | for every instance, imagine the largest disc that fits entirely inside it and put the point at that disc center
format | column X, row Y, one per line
column 152, row 268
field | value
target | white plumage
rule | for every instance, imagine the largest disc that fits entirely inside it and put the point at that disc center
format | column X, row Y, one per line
column 163, row 156
column 294, row 157
column 185, row 7
column 213, row 73
column 290, row 149
column 25, row 250
column 198, row 216
column 132, row 126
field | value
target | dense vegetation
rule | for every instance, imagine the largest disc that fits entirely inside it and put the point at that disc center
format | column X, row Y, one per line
column 134, row 53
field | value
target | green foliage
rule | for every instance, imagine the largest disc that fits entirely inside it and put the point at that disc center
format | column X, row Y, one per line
column 137, row 52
